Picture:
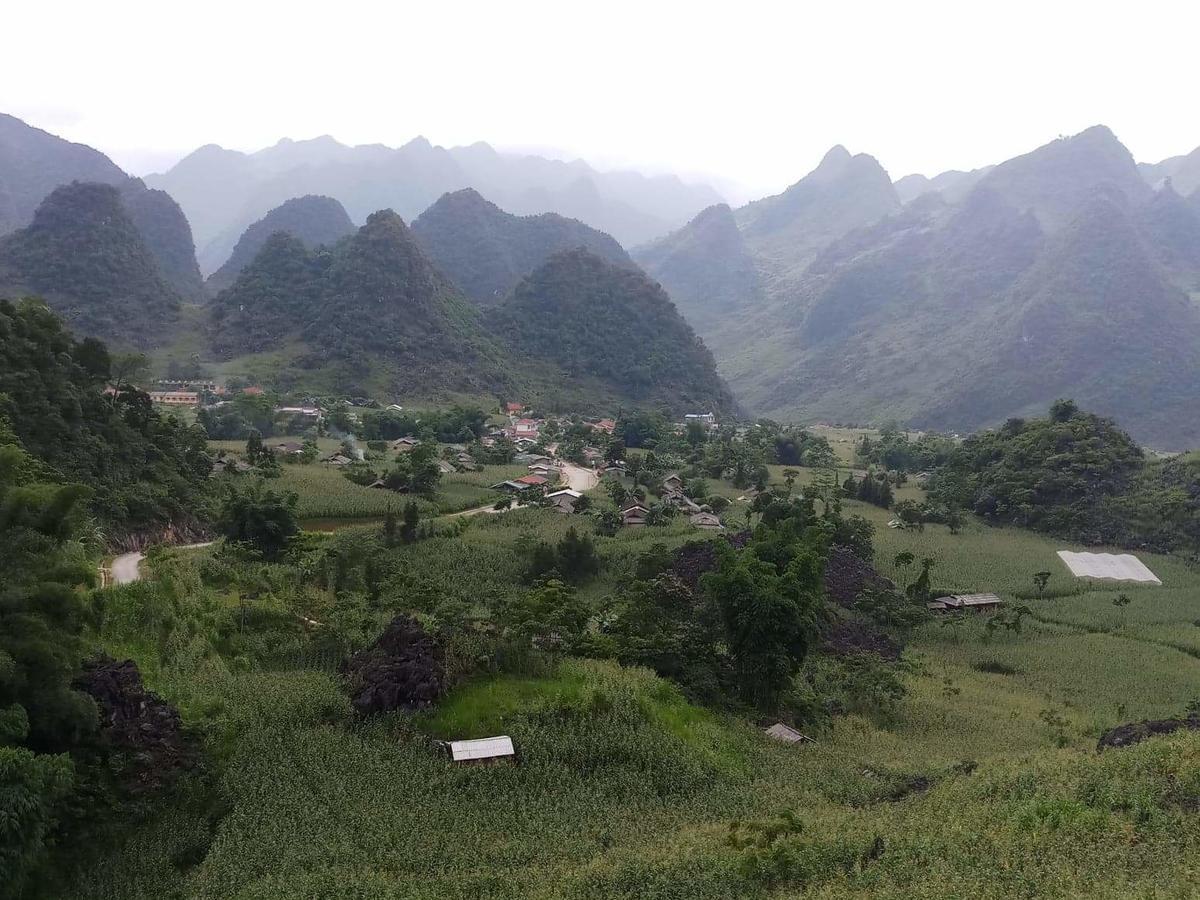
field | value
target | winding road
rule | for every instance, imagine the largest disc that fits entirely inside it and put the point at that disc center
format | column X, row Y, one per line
column 125, row 568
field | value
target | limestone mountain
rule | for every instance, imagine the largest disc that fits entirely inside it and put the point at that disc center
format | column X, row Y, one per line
column 1183, row 173
column 371, row 311
column 953, row 185
column 167, row 236
column 224, row 191
column 959, row 315
column 609, row 324
column 314, row 220
column 707, row 269
column 34, row 162
column 84, row 255
column 842, row 193
column 487, row 251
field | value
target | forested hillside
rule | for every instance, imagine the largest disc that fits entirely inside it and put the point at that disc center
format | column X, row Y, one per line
column 85, row 256
column 486, row 251
column 373, row 310
column 314, row 221
column 598, row 320
column 147, row 476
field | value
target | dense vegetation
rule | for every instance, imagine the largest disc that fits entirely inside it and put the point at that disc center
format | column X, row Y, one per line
column 487, row 251
column 1076, row 475
column 612, row 324
column 85, row 256
column 314, row 221
column 374, row 301
column 146, row 473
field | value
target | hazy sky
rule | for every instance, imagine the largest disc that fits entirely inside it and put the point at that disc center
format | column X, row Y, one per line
column 745, row 91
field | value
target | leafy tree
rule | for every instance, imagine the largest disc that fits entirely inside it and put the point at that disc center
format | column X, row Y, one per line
column 1040, row 580
column 258, row 516
column 576, row 556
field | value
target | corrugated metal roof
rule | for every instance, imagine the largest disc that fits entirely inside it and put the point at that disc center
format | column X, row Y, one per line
column 784, row 733
column 482, row 748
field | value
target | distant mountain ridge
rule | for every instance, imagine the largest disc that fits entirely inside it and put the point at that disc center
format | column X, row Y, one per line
column 487, row 251
column 224, row 191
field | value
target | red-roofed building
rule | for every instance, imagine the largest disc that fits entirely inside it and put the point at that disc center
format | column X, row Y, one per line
column 513, row 408
column 534, row 480
column 608, row 426
column 527, row 428
column 253, row 390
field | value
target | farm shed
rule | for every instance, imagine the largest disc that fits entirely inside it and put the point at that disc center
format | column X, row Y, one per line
column 967, row 603
column 1108, row 567
column 482, row 751
column 788, row 735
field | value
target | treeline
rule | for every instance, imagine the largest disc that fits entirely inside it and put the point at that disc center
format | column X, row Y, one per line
column 1076, row 475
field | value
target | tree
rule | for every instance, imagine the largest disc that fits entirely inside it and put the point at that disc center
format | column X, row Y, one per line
column 412, row 520
column 770, row 618
column 789, row 479
column 616, row 491
column 953, row 519
column 911, row 514
column 1040, row 580
column 576, row 556
column 919, row 589
column 903, row 560
column 259, row 517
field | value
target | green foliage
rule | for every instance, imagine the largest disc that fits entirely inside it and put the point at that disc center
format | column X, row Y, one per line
column 31, row 787
column 145, row 471
column 259, row 517
column 615, row 325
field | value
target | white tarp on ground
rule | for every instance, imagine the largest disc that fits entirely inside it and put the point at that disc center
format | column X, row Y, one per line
column 483, row 748
column 1108, row 566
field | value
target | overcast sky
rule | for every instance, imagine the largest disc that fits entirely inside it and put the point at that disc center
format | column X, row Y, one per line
column 753, row 93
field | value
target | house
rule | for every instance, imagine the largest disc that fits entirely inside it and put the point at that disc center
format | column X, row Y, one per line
column 564, row 501
column 445, row 467
column 306, row 412
column 252, row 391
column 289, row 448
column 525, row 428
column 483, row 751
column 706, row 520
column 404, row 444
column 175, row 398
column 229, row 464
column 634, row 514
column 524, row 443
column 513, row 409
column 613, row 471
column 533, row 480
column 512, row 486
column 708, row 420
column 543, row 469
column 337, row 459
column 378, row 484
column 673, row 483
column 395, row 407
column 967, row 603
column 781, row 732
column 681, row 501
column 921, row 478
column 608, row 426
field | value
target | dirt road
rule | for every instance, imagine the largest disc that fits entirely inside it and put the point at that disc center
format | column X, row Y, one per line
column 125, row 568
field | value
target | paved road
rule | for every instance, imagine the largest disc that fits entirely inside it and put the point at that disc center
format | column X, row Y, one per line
column 125, row 568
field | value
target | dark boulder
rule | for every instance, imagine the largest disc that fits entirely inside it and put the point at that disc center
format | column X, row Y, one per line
column 1135, row 732
column 847, row 576
column 404, row 669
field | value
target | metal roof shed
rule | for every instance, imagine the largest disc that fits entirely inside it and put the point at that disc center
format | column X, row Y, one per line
column 788, row 735
column 482, row 750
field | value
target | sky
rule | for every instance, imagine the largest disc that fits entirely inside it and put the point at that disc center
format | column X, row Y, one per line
column 746, row 95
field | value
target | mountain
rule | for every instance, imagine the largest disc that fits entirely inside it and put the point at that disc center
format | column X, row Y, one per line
column 1061, row 273
column 167, row 236
column 224, row 191
column 612, row 325
column 707, row 269
column 1183, row 172
column 83, row 254
column 487, row 251
column 34, row 162
column 371, row 311
column 315, row 221
column 1056, row 178
column 842, row 193
column 953, row 185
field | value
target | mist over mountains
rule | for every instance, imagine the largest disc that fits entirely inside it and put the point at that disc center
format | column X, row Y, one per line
column 223, row 191
column 952, row 301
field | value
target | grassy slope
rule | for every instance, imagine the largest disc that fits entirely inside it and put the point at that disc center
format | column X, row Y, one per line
column 627, row 791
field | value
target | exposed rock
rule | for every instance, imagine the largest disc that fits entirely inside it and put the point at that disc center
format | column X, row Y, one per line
column 403, row 669
column 843, row 637
column 1135, row 732
column 139, row 727
column 847, row 576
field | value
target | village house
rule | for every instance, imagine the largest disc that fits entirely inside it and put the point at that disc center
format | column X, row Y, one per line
column 708, row 420
column 524, row 443
column 445, row 467
column 673, row 483
column 634, row 515
column 404, row 444
column 548, row 472
column 706, row 520
column 525, row 428
column 681, row 501
column 288, row 448
column 513, row 409
column 608, row 426
column 337, row 459
column 564, row 501
column 966, row 603
column 175, row 398
column 787, row 734
column 228, row 464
